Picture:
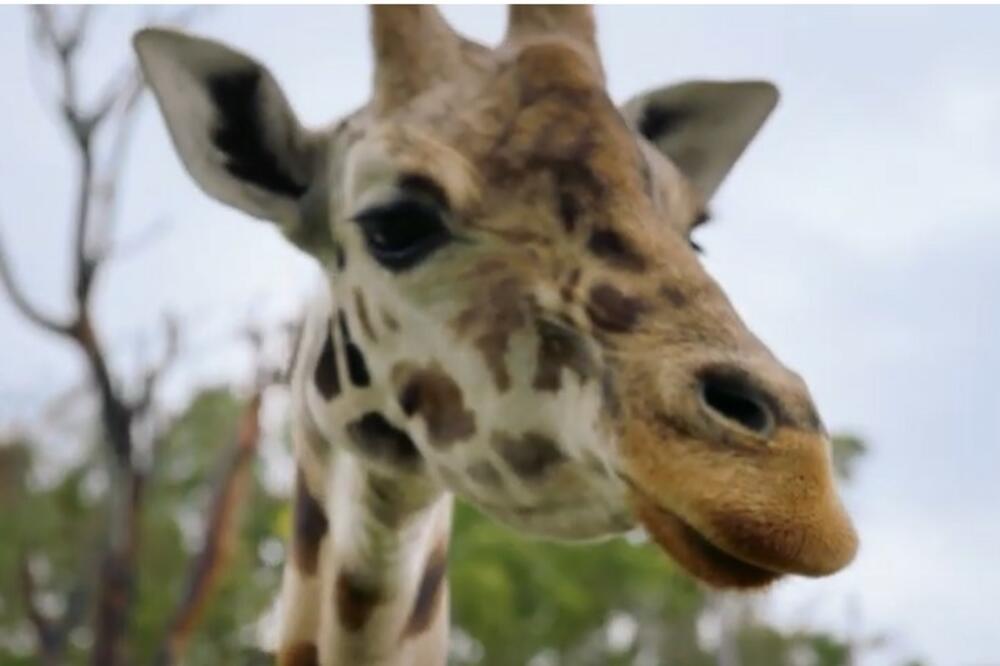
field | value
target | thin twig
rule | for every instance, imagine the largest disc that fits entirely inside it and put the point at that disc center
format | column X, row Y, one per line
column 154, row 375
column 21, row 302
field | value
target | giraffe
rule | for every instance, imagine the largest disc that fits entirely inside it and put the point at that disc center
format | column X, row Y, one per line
column 513, row 314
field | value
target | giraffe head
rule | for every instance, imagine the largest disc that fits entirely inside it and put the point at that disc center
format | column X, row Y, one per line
column 519, row 314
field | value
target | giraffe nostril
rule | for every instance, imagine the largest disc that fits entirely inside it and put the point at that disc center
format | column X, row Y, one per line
column 736, row 401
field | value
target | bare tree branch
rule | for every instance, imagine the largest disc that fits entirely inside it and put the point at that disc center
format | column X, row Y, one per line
column 92, row 230
column 221, row 531
column 138, row 241
column 154, row 374
column 21, row 302
column 116, row 569
column 125, row 96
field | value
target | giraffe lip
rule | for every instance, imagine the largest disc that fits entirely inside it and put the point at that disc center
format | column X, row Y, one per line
column 695, row 552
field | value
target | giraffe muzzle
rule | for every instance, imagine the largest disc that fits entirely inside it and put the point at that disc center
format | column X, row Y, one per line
column 731, row 475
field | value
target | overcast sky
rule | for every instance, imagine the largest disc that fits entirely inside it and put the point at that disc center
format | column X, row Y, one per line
column 857, row 237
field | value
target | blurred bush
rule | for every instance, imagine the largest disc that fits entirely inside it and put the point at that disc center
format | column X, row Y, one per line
column 514, row 600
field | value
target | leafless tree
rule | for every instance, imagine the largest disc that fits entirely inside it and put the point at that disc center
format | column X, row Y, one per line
column 58, row 39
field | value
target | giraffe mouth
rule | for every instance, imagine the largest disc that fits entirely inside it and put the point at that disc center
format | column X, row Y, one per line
column 695, row 553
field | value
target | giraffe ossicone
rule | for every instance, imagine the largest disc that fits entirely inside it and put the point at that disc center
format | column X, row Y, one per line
column 513, row 315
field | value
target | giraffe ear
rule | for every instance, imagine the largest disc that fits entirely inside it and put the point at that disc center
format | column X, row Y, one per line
column 229, row 121
column 703, row 126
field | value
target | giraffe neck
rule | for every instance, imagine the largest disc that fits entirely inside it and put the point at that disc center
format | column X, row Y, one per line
column 387, row 566
column 376, row 591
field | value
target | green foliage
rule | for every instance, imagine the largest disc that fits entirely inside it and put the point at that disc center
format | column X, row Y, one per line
column 59, row 526
column 513, row 598
column 517, row 595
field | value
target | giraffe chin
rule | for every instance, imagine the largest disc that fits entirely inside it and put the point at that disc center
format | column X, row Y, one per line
column 696, row 554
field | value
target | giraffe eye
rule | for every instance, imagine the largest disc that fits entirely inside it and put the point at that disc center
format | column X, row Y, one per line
column 401, row 233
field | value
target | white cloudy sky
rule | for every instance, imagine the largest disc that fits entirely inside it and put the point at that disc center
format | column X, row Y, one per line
column 857, row 236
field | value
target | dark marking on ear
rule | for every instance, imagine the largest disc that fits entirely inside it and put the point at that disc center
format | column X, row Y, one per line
column 355, row 600
column 425, row 186
column 326, row 376
column 435, row 397
column 362, row 309
column 357, row 369
column 611, row 310
column 298, row 654
column 610, row 246
column 657, row 121
column 558, row 349
column 241, row 135
column 673, row 295
column 376, row 437
column 429, row 592
column 311, row 526
column 485, row 473
column 531, row 455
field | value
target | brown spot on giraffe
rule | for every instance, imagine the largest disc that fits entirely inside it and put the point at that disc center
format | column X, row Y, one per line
column 357, row 368
column 559, row 348
column 491, row 321
column 355, row 601
column 569, row 210
column 530, row 455
column 303, row 653
column 429, row 591
column 612, row 310
column 326, row 376
column 363, row 318
column 432, row 395
column 375, row 437
column 612, row 247
column 311, row 526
